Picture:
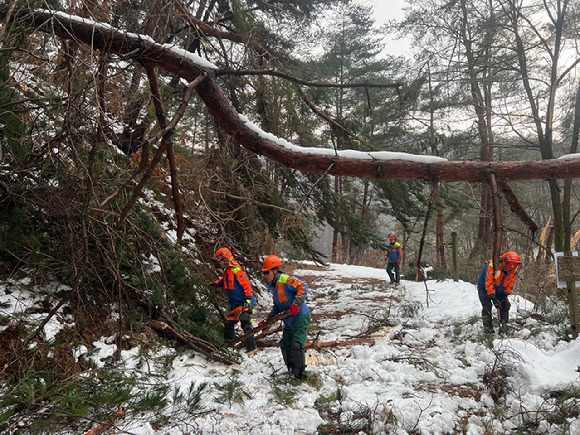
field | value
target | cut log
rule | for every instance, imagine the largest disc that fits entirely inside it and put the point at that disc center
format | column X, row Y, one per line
column 322, row 344
column 260, row 329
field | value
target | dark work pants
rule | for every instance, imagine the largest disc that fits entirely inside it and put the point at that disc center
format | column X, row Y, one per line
column 395, row 277
column 488, row 312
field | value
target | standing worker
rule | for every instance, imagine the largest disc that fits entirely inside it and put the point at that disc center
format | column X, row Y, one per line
column 393, row 258
column 242, row 301
column 289, row 294
column 495, row 291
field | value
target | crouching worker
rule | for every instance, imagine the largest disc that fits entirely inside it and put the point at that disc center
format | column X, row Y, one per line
column 493, row 293
column 289, row 294
column 242, row 301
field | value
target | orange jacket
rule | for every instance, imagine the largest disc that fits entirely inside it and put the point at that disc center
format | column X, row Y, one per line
column 499, row 287
column 237, row 285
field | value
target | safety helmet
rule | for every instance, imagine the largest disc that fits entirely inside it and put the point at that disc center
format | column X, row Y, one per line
column 224, row 253
column 511, row 260
column 270, row 262
column 392, row 236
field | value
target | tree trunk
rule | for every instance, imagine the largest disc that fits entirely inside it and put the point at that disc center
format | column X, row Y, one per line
column 440, row 234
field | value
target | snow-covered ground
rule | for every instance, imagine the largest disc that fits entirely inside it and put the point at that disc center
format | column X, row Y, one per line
column 429, row 371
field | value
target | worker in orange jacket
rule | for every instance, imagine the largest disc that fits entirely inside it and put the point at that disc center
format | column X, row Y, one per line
column 239, row 290
column 495, row 291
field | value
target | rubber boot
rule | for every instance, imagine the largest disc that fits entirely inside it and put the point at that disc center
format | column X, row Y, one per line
column 299, row 360
column 250, row 341
column 286, row 356
column 487, row 324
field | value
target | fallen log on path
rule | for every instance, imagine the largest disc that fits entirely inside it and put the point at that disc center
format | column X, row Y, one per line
column 260, row 335
column 211, row 351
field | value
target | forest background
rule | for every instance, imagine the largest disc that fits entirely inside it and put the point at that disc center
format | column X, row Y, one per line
column 98, row 141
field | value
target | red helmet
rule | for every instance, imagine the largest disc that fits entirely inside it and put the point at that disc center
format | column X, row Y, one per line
column 270, row 262
column 224, row 253
column 511, row 260
column 392, row 236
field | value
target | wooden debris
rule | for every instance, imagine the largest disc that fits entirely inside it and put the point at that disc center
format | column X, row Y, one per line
column 197, row 344
column 321, row 344
column 237, row 343
column 324, row 344
column 108, row 423
column 256, row 350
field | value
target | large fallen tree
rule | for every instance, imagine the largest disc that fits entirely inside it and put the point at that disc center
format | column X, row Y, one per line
column 316, row 160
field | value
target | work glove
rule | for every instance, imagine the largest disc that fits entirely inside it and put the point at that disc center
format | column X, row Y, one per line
column 399, row 262
column 294, row 309
column 214, row 284
column 247, row 305
column 494, row 301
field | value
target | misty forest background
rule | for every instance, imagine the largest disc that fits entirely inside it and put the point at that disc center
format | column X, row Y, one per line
column 102, row 192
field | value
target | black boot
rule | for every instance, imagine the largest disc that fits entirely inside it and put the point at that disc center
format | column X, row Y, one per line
column 286, row 356
column 250, row 344
column 299, row 360
column 250, row 341
column 487, row 324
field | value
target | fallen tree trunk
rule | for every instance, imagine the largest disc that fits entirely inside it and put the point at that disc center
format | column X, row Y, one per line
column 261, row 335
column 320, row 344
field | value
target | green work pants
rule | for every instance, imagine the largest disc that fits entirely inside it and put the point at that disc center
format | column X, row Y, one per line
column 296, row 334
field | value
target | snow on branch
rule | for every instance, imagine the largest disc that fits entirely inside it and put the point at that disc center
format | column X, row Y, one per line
column 383, row 164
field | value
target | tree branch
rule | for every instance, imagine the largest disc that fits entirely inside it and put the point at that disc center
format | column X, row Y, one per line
column 290, row 78
column 349, row 163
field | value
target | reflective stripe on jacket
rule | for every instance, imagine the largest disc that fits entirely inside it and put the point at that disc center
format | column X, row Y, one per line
column 284, row 290
column 237, row 286
column 394, row 253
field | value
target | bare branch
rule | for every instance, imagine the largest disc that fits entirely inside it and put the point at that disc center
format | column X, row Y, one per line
column 290, row 78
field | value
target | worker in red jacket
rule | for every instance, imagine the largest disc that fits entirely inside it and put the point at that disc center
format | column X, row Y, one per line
column 494, row 291
column 242, row 301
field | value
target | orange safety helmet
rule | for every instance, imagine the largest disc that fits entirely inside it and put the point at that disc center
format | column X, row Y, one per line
column 392, row 236
column 224, row 253
column 511, row 259
column 270, row 262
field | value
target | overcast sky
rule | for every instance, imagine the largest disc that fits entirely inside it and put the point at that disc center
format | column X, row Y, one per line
column 385, row 10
